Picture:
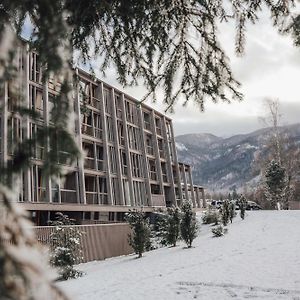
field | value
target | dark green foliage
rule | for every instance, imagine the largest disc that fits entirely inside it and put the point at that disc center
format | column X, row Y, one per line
column 65, row 247
column 139, row 239
column 169, row 226
column 219, row 231
column 225, row 212
column 243, row 205
column 189, row 224
column 211, row 216
column 275, row 182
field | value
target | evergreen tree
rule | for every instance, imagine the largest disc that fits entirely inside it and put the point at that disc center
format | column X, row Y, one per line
column 225, row 212
column 139, row 239
column 65, row 246
column 169, row 226
column 231, row 211
column 188, row 225
column 275, row 183
column 146, row 30
column 243, row 205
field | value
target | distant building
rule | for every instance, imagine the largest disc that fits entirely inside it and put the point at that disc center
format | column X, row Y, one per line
column 131, row 160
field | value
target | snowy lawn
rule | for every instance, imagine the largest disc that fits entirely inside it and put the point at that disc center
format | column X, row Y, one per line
column 258, row 258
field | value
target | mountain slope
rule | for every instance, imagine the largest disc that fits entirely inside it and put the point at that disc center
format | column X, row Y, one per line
column 222, row 163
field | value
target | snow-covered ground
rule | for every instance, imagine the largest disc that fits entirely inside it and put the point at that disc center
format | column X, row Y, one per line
column 258, row 258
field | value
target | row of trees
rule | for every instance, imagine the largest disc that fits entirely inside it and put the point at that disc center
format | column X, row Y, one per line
column 177, row 223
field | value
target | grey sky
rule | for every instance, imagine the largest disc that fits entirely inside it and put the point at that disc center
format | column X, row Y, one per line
column 269, row 68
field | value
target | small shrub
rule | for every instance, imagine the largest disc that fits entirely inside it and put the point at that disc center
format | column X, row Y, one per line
column 65, row 247
column 139, row 240
column 211, row 217
column 219, row 231
column 188, row 225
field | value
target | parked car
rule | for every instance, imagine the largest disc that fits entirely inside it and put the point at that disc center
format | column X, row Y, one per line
column 251, row 205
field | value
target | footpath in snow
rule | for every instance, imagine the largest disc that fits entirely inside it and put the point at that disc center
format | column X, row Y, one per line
column 259, row 258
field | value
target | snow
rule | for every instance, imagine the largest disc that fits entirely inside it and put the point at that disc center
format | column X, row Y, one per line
column 258, row 258
column 180, row 146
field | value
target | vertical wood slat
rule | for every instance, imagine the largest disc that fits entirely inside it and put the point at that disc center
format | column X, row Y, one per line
column 98, row 241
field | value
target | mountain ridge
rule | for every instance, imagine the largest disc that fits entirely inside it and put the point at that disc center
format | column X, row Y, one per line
column 224, row 163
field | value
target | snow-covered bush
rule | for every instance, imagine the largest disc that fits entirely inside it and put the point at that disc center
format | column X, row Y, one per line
column 169, row 227
column 139, row 239
column 188, row 225
column 65, row 247
column 211, row 217
column 219, row 231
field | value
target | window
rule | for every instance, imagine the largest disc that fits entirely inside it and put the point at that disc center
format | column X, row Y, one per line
column 106, row 96
column 98, row 126
column 118, row 105
column 131, row 112
column 152, row 169
column 100, row 157
column 110, row 133
column 121, row 137
column 147, row 124
column 112, row 159
column 158, row 126
column 136, row 165
column 134, row 137
column 149, row 144
column 123, row 162
column 164, row 172
column 89, row 161
column 103, row 190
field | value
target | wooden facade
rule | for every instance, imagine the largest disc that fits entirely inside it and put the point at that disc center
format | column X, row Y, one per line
column 130, row 153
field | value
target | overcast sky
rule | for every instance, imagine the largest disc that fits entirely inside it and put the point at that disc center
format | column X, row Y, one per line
column 269, row 68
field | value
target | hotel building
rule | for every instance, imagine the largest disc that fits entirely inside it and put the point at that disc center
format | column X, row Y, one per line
column 130, row 153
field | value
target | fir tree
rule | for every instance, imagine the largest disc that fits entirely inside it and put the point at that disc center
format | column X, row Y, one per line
column 139, row 239
column 65, row 246
column 225, row 213
column 170, row 226
column 188, row 225
column 275, row 183
column 231, row 211
column 243, row 205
